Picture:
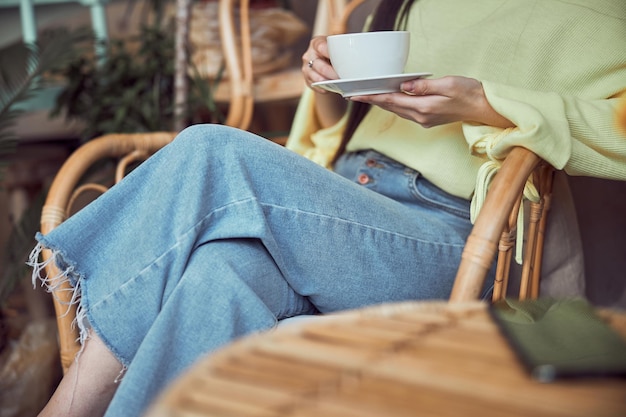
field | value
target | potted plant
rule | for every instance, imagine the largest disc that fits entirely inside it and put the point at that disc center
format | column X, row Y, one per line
column 131, row 88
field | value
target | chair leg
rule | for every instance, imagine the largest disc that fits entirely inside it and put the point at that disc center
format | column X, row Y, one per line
column 529, row 254
column 505, row 250
column 547, row 179
column 502, row 277
column 538, row 217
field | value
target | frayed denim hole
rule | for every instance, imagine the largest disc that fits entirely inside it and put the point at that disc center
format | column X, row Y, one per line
column 51, row 285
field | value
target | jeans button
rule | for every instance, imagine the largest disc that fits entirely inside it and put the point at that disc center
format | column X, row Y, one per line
column 363, row 179
column 370, row 162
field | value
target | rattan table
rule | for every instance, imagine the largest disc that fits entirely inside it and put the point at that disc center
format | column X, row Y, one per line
column 408, row 359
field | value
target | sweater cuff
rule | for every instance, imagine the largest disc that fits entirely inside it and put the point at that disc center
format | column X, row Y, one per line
column 540, row 125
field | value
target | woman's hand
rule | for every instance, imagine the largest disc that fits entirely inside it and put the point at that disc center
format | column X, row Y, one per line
column 316, row 63
column 316, row 67
column 438, row 101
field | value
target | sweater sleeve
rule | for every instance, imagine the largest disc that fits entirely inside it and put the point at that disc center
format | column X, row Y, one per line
column 308, row 138
column 578, row 135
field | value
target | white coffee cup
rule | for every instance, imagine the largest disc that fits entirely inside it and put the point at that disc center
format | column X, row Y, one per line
column 369, row 54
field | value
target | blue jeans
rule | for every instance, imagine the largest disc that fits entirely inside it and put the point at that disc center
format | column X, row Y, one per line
column 222, row 233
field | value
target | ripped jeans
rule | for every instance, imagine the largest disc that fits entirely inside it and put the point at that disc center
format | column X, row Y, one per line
column 222, row 233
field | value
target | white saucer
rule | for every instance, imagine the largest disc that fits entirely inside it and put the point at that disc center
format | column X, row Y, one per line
column 365, row 86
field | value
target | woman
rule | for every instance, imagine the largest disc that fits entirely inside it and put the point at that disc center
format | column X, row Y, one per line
column 221, row 233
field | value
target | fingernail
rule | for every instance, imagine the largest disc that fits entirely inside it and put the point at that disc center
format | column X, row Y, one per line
column 406, row 86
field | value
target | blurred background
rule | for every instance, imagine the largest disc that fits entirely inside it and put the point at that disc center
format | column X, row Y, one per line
column 81, row 98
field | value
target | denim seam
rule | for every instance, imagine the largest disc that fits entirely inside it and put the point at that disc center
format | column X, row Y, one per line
column 434, row 203
column 365, row 226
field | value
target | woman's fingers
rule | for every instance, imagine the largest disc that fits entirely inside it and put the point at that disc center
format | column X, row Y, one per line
column 433, row 102
column 316, row 63
column 449, row 86
column 417, row 87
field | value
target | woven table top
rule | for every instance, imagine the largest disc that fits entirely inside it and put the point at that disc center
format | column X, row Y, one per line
column 407, row 359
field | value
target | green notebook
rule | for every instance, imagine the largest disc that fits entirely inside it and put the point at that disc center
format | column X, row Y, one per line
column 561, row 338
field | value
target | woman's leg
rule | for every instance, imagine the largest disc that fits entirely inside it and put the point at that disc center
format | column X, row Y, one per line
column 89, row 384
column 230, row 287
column 175, row 339
column 323, row 238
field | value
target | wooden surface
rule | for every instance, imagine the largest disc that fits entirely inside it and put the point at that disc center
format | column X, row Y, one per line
column 413, row 359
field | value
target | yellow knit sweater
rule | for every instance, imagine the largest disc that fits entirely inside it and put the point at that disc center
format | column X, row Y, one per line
column 555, row 68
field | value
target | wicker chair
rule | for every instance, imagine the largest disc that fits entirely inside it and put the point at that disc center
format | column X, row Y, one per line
column 242, row 90
column 494, row 230
column 491, row 233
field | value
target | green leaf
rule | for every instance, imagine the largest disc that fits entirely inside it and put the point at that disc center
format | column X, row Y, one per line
column 22, row 67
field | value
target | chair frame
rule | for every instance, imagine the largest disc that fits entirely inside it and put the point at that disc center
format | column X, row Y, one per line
column 238, row 62
column 244, row 90
column 492, row 230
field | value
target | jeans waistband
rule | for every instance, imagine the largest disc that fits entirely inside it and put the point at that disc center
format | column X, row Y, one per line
column 393, row 179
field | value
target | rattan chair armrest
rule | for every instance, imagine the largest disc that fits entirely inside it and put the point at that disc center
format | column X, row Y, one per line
column 482, row 244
